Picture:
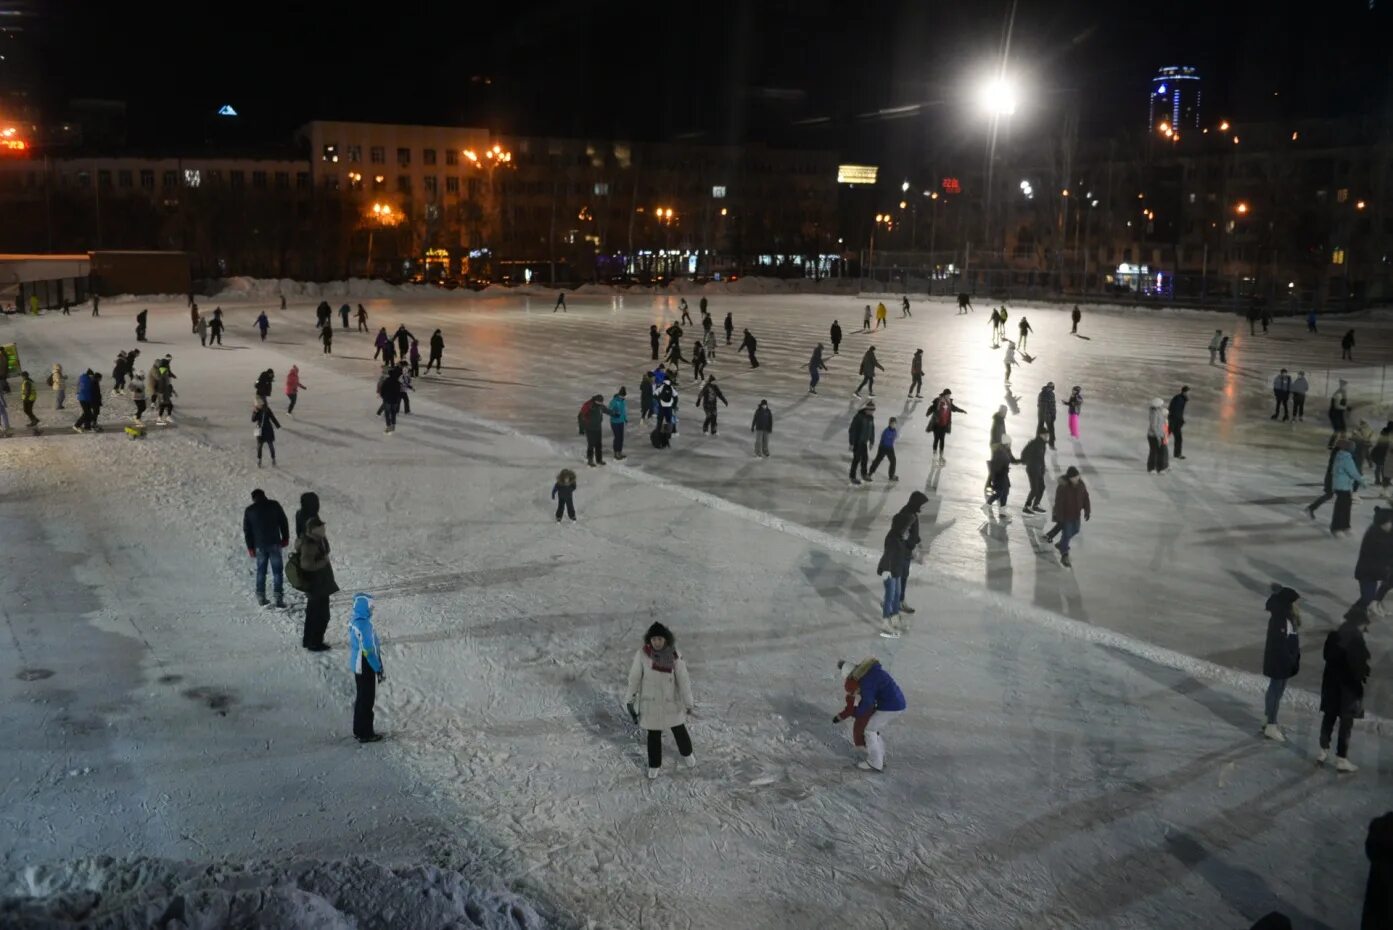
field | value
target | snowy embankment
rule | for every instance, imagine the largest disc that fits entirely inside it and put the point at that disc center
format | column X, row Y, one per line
column 103, row 893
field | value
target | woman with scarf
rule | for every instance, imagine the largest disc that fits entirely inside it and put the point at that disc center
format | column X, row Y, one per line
column 660, row 695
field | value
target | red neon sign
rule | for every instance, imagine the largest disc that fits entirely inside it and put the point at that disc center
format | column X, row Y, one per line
column 951, row 186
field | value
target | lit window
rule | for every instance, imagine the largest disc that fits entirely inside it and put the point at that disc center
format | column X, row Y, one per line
column 192, row 177
column 1337, row 257
column 601, row 189
column 718, row 191
column 1342, row 195
column 330, row 152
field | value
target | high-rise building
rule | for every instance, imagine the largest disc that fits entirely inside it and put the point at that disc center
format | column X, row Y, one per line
column 1175, row 99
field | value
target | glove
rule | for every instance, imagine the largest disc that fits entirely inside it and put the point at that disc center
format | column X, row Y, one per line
column 381, row 677
column 251, row 553
column 632, row 713
column 837, row 719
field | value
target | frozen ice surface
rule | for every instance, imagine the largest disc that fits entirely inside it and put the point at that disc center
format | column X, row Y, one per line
column 1066, row 760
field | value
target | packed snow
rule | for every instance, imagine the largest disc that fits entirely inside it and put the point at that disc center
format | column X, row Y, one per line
column 1080, row 748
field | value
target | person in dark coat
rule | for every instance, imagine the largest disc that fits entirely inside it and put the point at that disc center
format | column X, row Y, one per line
column 999, row 473
column 266, row 426
column 869, row 366
column 748, row 343
column 645, row 396
column 344, row 311
column 1177, row 417
column 861, row 434
column 309, row 507
column 1070, row 503
column 381, row 343
column 893, row 564
column 729, row 326
column 1378, row 893
column 836, row 337
column 908, row 518
column 140, row 320
column 391, row 392
column 1342, row 686
column 215, row 328
column 1281, row 655
column 326, row 336
column 1328, row 492
column 403, row 339
column 266, row 533
column 362, row 317
column 815, row 366
column 437, row 351
column 1046, row 409
column 1375, row 564
column 654, row 339
column 762, row 425
column 916, row 374
column 940, row 414
column 317, row 580
column 706, row 400
column 1347, row 346
column 1033, row 458
column 591, row 421
column 1075, row 317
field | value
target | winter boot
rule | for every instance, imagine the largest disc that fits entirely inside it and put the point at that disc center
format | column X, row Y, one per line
column 691, row 761
column 1273, row 732
column 1345, row 766
column 653, row 773
column 1322, row 756
column 865, row 766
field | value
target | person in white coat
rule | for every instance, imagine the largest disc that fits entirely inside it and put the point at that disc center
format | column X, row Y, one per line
column 1156, row 437
column 660, row 695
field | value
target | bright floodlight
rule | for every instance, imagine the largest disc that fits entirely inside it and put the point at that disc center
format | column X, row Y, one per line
column 998, row 97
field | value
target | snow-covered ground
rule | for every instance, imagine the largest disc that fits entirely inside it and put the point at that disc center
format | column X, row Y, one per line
column 1080, row 749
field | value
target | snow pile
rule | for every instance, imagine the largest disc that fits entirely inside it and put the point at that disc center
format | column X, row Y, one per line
column 243, row 288
column 104, row 892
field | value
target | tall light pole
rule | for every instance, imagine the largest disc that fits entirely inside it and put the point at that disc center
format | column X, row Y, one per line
column 997, row 99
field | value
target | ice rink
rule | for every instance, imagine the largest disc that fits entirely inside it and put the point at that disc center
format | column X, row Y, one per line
column 1080, row 748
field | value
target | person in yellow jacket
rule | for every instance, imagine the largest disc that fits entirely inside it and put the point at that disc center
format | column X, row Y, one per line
column 59, row 382
column 27, row 396
column 880, row 315
column 34, row 304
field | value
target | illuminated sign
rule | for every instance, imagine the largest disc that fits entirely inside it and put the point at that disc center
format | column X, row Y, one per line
column 857, row 174
column 952, row 186
column 226, row 110
column 11, row 142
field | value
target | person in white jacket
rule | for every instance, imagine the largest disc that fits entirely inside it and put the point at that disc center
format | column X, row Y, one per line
column 1156, row 437
column 660, row 695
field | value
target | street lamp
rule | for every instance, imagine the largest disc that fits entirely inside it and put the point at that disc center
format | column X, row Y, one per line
column 998, row 97
column 382, row 215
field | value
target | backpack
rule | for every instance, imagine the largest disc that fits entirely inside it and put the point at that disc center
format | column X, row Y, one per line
column 666, row 393
column 584, row 414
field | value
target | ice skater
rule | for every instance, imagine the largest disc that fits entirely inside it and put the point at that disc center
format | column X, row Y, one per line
column 1070, row 504
column 698, row 359
column 999, row 474
column 893, row 561
column 413, row 355
column 326, row 336
column 591, row 420
column 1025, row 330
column 996, row 327
column 266, row 532
column 293, row 387
column 1157, row 456
column 1214, row 342
column 618, row 419
column 904, row 307
column 563, row 492
column 654, row 339
column 876, row 701
column 869, row 366
column 140, row 321
column 1345, row 479
column 1046, row 409
column 560, row 303
column 1281, row 391
column 59, row 382
column 964, row 302
column 1033, row 458
column 729, row 325
column 1075, row 317
column 940, row 415
column 686, row 315
column 1342, row 683
column 1009, row 360
column 383, row 344
column 866, row 320
column 263, row 323
column 1176, row 420
column 836, row 334
column 1300, row 387
column 316, row 581
column 266, row 425
column 860, row 435
column 27, row 396
column 437, row 351
column 748, row 344
column 365, row 662
column 344, row 311
column 708, row 341
column 706, row 400
column 916, row 374
column 660, row 696
column 886, row 451
column 1347, row 346
column 1339, row 411
column 390, row 391
column 762, row 425
column 362, row 319
column 1075, row 406
column 880, row 313
column 1374, row 568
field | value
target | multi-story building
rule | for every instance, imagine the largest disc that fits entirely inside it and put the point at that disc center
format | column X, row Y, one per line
column 1174, row 102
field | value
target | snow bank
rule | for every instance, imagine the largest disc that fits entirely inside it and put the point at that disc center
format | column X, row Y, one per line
column 104, row 892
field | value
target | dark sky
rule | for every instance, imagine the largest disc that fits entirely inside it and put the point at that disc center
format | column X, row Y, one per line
column 717, row 70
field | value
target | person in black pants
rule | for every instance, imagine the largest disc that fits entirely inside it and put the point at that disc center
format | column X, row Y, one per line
column 365, row 662
column 563, row 492
column 1177, row 417
column 861, row 434
column 660, row 695
column 654, row 339
column 729, row 326
column 748, row 343
column 318, row 579
column 1033, row 457
column 1346, row 657
column 1046, row 408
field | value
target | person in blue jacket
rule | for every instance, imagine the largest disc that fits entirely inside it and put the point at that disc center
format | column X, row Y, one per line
column 887, row 448
column 85, row 397
column 880, row 704
column 365, row 662
column 1344, row 481
column 618, row 417
column 263, row 324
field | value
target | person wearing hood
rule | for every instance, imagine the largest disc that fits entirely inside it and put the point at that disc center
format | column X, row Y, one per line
column 815, row 366
column 316, row 579
column 215, row 328
column 940, row 414
column 1046, row 410
column 1281, row 392
column 762, row 426
column 1033, row 458
column 1156, row 437
column 413, row 356
column 293, row 387
column 59, row 382
column 645, row 396
column 706, row 400
column 381, row 342
column 1342, row 686
column 907, row 519
column 437, row 351
column 861, row 434
column 660, row 695
column 591, row 420
column 1374, row 567
column 264, row 381
column 263, row 323
column 869, row 366
column 1345, row 479
column 85, row 389
column 836, row 333
column 1071, row 503
column 748, row 344
column 1281, row 655
column 618, row 418
column 403, row 337
column 893, row 563
column 916, row 374
column 365, row 662
column 118, row 373
column 875, row 700
column 266, row 426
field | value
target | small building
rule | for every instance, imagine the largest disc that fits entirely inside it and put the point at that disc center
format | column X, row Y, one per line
column 52, row 278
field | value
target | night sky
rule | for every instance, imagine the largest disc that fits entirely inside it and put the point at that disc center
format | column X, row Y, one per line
column 799, row 72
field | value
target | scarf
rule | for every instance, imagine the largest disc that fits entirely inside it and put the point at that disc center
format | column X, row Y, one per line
column 663, row 659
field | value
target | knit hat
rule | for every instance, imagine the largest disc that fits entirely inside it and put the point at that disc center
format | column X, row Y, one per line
column 1072, row 472
column 1157, row 402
